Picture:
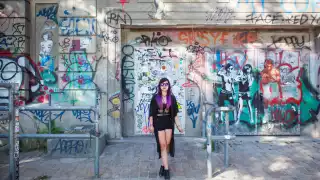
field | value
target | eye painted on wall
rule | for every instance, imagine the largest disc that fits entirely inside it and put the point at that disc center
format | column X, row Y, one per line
column 1, row 6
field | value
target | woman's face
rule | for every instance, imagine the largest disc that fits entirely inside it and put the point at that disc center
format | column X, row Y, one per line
column 164, row 86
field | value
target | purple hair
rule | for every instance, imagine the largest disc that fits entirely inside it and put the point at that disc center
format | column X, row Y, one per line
column 159, row 94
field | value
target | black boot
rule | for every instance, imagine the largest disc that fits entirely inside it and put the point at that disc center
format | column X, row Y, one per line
column 166, row 174
column 161, row 172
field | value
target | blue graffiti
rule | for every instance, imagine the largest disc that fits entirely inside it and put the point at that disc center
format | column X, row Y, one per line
column 44, row 116
column 143, row 107
column 82, row 115
column 66, row 146
column 66, row 12
column 49, row 13
column 297, row 5
column 77, row 26
column 193, row 112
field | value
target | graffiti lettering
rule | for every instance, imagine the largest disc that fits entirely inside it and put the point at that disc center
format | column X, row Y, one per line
column 152, row 54
column 49, row 13
column 193, row 112
column 14, row 43
column 128, row 72
column 82, row 115
column 71, row 146
column 77, row 26
column 116, row 17
column 197, row 49
column 288, row 117
column 18, row 28
column 107, row 38
column 290, row 41
column 157, row 39
column 220, row 15
column 204, row 38
column 277, row 18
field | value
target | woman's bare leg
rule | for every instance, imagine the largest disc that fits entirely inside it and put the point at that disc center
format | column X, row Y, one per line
column 168, row 133
column 163, row 148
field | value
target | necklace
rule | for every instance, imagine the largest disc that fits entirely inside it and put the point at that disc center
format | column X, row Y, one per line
column 164, row 99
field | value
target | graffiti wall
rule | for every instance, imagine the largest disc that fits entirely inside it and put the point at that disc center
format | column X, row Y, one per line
column 70, row 49
column 265, row 75
column 64, row 63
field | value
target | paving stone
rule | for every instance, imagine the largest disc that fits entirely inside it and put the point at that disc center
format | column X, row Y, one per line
column 248, row 160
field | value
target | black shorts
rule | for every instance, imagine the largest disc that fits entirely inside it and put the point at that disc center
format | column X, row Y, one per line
column 244, row 95
column 162, row 123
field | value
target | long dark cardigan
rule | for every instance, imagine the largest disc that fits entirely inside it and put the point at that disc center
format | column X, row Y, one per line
column 173, row 111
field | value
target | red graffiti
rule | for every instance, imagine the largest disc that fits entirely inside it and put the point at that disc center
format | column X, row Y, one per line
column 242, row 38
column 286, row 117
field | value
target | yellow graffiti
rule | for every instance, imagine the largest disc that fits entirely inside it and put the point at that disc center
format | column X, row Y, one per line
column 179, row 106
column 114, row 112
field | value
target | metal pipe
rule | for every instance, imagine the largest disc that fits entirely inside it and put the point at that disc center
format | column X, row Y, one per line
column 49, row 136
column 17, row 145
column 226, row 143
column 50, row 113
column 58, row 108
column 209, row 144
column 97, row 155
column 11, row 131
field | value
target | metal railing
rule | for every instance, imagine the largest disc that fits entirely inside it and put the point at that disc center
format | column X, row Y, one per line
column 14, row 129
column 214, row 109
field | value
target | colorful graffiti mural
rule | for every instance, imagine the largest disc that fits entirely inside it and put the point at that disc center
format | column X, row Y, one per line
column 262, row 74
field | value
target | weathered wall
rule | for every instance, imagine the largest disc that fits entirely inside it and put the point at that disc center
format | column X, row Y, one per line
column 78, row 46
column 202, row 54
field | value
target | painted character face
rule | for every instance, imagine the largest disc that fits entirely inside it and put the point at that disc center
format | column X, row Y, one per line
column 230, row 69
column 164, row 86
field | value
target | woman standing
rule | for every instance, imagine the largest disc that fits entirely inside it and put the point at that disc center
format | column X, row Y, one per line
column 163, row 117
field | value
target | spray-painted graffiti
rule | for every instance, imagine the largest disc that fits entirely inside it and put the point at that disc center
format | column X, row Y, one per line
column 154, row 63
column 156, row 40
column 72, row 146
column 262, row 74
column 287, row 7
column 115, row 101
column 49, row 13
column 220, row 15
column 77, row 26
column 116, row 17
column 193, row 112
column 128, row 78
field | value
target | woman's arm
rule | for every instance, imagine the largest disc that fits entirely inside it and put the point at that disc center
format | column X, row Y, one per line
column 150, row 121
column 177, row 122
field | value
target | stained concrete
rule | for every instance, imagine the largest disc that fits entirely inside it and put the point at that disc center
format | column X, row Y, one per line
column 136, row 158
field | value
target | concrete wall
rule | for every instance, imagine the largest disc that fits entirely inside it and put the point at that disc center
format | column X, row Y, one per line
column 79, row 46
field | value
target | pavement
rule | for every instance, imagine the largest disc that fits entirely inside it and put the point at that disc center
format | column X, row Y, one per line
column 136, row 158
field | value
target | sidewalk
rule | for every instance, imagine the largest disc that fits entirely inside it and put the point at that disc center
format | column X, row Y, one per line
column 136, row 158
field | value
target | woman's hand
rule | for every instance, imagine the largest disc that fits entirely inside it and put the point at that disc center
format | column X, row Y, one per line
column 180, row 129
column 151, row 128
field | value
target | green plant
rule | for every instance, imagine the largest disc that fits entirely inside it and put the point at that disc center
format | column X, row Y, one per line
column 42, row 177
column 54, row 129
column 212, row 145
